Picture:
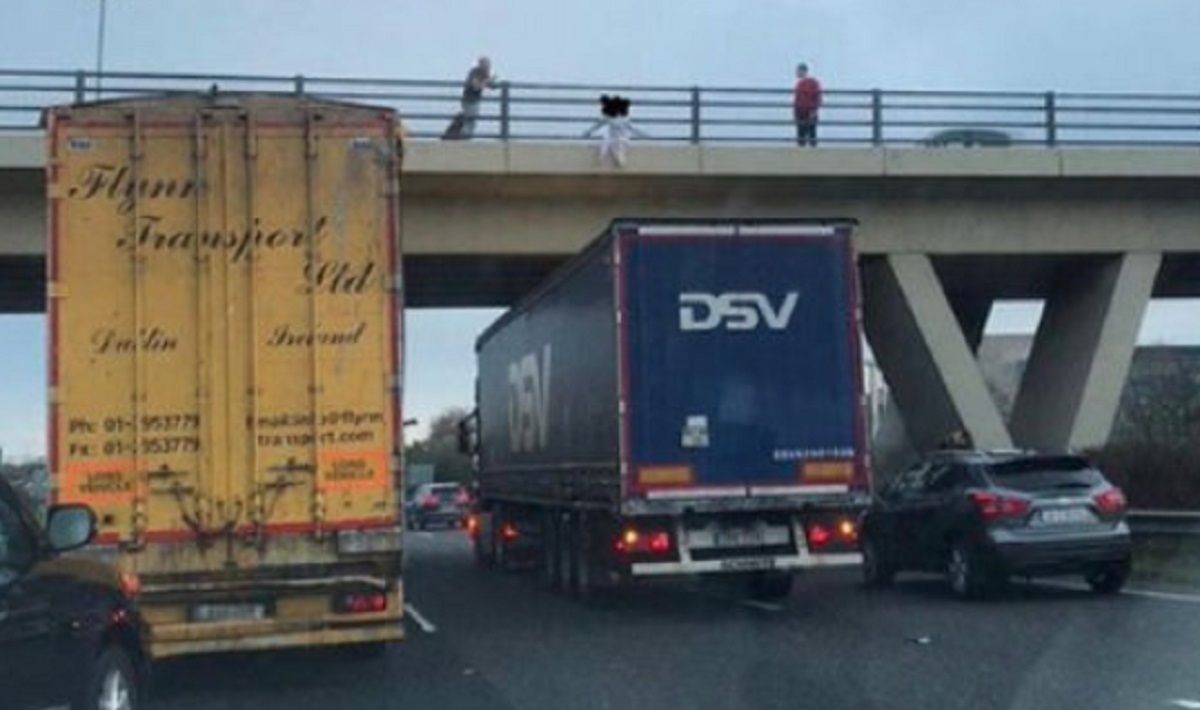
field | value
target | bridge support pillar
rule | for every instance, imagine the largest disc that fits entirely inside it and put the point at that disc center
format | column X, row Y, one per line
column 918, row 341
column 1081, row 353
column 971, row 311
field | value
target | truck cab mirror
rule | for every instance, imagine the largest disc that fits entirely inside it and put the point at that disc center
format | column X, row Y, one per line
column 466, row 435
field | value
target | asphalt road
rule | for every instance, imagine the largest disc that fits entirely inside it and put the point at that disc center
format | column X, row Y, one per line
column 496, row 640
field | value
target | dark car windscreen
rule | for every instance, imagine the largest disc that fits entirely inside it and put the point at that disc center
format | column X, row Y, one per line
column 1042, row 474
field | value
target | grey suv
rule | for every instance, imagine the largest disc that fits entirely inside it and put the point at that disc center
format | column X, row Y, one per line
column 982, row 517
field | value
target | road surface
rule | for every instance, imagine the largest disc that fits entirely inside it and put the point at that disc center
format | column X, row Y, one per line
column 489, row 640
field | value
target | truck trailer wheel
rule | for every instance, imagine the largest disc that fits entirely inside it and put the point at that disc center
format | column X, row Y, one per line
column 770, row 585
column 485, row 553
column 566, row 556
column 580, row 558
column 550, row 542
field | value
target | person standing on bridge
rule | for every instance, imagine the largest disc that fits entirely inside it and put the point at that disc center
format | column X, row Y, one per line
column 806, row 105
column 462, row 127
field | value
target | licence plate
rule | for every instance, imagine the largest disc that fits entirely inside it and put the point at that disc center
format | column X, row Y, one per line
column 753, row 563
column 738, row 538
column 1065, row 516
column 213, row 613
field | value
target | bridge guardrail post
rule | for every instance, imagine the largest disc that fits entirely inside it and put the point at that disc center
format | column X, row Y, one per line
column 876, row 117
column 298, row 84
column 695, row 115
column 505, row 110
column 80, row 86
column 1051, row 119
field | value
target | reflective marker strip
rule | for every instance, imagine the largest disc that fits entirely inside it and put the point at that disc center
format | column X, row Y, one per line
column 699, row 493
column 788, row 490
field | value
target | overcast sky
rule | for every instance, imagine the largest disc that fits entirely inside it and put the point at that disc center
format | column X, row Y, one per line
column 923, row 44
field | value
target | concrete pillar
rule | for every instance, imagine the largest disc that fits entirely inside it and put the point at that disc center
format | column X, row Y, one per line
column 924, row 355
column 1081, row 353
column 971, row 311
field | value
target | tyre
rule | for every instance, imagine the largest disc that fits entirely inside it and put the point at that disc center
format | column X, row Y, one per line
column 550, row 559
column 878, row 569
column 485, row 556
column 770, row 585
column 112, row 684
column 566, row 557
column 968, row 575
column 500, row 552
column 1110, row 578
column 580, row 558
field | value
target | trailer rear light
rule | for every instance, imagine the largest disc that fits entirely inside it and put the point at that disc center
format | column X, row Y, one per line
column 509, row 533
column 997, row 507
column 848, row 531
column 633, row 541
column 819, row 535
column 1111, row 501
column 361, row 603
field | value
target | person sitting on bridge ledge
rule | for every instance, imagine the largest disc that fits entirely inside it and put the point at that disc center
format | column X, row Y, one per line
column 806, row 105
column 462, row 126
column 614, row 144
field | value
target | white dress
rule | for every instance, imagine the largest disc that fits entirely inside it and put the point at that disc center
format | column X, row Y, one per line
column 614, row 139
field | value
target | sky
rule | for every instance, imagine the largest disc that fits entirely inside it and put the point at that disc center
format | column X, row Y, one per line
column 1101, row 45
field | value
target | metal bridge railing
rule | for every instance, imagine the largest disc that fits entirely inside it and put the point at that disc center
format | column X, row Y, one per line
column 531, row 111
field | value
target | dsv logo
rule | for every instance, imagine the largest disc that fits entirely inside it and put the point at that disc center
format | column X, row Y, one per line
column 734, row 311
column 529, row 402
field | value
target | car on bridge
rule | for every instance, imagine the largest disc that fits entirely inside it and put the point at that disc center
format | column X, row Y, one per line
column 983, row 517
column 69, row 633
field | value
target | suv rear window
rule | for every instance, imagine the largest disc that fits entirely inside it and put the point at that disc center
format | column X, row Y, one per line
column 1045, row 473
column 446, row 493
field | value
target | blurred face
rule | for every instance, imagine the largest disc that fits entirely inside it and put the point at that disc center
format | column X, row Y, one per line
column 485, row 64
column 801, row 72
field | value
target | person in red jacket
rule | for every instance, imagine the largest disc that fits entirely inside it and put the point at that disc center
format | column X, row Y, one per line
column 806, row 105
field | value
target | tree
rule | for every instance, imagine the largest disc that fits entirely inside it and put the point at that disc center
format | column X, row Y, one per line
column 440, row 448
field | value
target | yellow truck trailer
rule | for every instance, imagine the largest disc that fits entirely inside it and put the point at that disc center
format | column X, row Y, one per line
column 225, row 323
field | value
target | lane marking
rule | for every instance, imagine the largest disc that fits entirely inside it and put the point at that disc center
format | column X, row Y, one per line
column 425, row 624
column 1189, row 704
column 762, row 606
column 1145, row 593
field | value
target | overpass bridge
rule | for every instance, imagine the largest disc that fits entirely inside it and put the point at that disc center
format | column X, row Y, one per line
column 1096, row 216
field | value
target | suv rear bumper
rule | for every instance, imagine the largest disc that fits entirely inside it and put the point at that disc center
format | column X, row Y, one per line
column 1064, row 555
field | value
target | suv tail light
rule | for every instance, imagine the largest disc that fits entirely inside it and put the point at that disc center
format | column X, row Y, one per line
column 1111, row 501
column 429, row 502
column 992, row 506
